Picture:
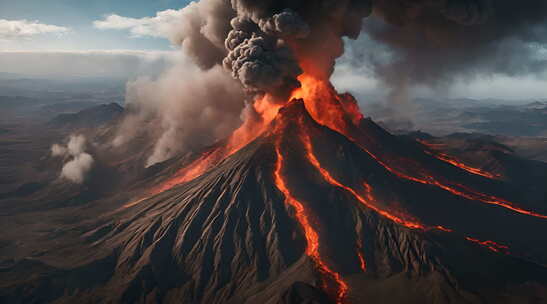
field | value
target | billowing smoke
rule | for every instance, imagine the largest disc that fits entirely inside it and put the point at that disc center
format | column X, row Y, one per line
column 242, row 49
column 245, row 48
column 272, row 42
column 186, row 107
column 435, row 42
column 78, row 162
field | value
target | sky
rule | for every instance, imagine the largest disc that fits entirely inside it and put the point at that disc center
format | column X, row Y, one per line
column 105, row 38
column 78, row 17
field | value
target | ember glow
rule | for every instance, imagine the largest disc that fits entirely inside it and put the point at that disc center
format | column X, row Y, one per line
column 310, row 233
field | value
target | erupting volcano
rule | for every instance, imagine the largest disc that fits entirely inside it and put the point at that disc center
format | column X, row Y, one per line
column 310, row 203
column 316, row 105
column 307, row 201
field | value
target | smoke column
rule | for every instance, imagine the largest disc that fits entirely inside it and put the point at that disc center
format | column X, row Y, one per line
column 244, row 49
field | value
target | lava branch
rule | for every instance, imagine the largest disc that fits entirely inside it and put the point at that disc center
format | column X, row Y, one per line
column 464, row 192
column 340, row 113
column 456, row 163
column 362, row 261
column 312, row 237
column 368, row 199
column 368, row 203
column 491, row 245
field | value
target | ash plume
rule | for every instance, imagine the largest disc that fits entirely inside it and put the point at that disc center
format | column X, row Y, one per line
column 183, row 110
column 78, row 162
column 433, row 43
column 266, row 45
column 239, row 49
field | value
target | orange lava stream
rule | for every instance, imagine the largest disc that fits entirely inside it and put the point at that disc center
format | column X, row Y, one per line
column 335, row 111
column 498, row 248
column 368, row 200
column 249, row 131
column 449, row 159
column 362, row 261
column 368, row 203
column 252, row 127
column 456, row 163
column 464, row 192
column 310, row 233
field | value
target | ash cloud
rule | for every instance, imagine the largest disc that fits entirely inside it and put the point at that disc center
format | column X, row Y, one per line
column 184, row 110
column 245, row 48
column 78, row 162
column 239, row 49
column 436, row 43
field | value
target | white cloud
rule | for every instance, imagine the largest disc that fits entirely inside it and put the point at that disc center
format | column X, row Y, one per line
column 92, row 63
column 23, row 29
column 162, row 25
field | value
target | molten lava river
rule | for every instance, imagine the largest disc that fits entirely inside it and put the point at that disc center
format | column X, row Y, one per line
column 340, row 113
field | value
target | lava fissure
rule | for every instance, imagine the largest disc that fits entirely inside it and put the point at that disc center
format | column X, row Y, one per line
column 312, row 237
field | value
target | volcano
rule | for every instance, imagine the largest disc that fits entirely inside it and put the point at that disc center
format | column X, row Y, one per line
column 312, row 203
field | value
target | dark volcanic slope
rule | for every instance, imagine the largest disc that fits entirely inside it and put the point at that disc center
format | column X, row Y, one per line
column 229, row 236
column 87, row 118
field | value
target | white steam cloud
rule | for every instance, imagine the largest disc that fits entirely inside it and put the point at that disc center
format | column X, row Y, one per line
column 79, row 162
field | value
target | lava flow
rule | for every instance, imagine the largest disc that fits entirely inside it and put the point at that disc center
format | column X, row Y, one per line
column 310, row 233
column 341, row 114
column 257, row 121
column 369, row 204
column 454, row 162
column 456, row 189
column 489, row 244
column 362, row 261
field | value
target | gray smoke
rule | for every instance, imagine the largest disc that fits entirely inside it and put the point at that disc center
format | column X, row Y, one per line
column 262, row 63
column 265, row 45
column 252, row 47
column 183, row 110
column 435, row 42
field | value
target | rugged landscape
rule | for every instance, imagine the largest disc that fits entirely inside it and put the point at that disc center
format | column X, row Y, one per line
column 310, row 211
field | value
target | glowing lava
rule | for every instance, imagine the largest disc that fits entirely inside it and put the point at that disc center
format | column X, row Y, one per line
column 491, row 245
column 412, row 224
column 362, row 261
column 341, row 114
column 456, row 189
column 456, row 163
column 310, row 233
column 257, row 121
